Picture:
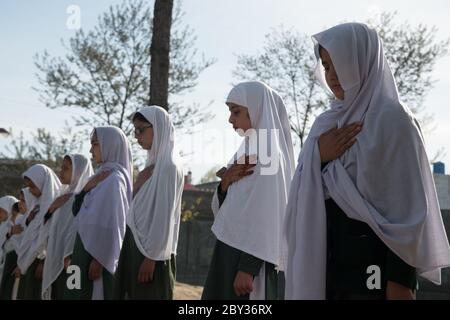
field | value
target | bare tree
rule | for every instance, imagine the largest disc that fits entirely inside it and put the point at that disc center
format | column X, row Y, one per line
column 159, row 52
column 106, row 71
column 412, row 52
column 287, row 63
column 18, row 149
column 44, row 146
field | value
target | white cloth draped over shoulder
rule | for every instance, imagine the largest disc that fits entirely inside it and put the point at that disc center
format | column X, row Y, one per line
column 384, row 179
column 6, row 203
column 251, row 216
column 21, row 220
column 154, row 217
column 15, row 239
column 62, row 231
column 35, row 235
column 101, row 220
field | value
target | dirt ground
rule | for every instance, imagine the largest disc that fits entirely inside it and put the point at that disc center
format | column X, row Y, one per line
column 185, row 291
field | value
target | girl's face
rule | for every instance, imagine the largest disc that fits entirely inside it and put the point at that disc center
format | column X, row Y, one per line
column 3, row 215
column 22, row 204
column 65, row 174
column 143, row 132
column 239, row 117
column 35, row 191
column 95, row 149
column 331, row 75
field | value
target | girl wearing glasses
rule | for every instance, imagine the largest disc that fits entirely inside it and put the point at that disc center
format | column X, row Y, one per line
column 147, row 261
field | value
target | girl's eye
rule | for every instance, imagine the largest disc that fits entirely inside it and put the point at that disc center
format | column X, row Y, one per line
column 236, row 113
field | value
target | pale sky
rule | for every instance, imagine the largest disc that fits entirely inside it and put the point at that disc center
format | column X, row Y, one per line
column 224, row 29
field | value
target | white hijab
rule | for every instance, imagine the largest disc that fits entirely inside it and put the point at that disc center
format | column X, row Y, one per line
column 62, row 231
column 154, row 217
column 35, row 235
column 6, row 203
column 384, row 179
column 101, row 219
column 250, row 218
column 30, row 202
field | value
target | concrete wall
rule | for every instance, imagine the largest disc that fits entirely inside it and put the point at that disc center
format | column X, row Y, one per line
column 428, row 290
column 442, row 183
column 195, row 248
column 196, row 241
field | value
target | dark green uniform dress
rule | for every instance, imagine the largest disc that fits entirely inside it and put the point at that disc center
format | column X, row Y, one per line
column 352, row 247
column 8, row 279
column 30, row 288
column 225, row 264
column 59, row 285
column 82, row 259
column 126, row 285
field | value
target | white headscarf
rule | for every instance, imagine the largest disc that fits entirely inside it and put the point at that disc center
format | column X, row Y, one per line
column 30, row 202
column 6, row 203
column 101, row 219
column 62, row 231
column 35, row 235
column 384, row 179
column 154, row 217
column 250, row 219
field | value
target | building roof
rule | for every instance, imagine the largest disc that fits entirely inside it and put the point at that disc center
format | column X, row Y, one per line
column 188, row 186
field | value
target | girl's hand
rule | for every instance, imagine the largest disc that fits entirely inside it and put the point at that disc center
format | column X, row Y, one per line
column 237, row 171
column 67, row 261
column 243, row 283
column 16, row 229
column 334, row 142
column 146, row 271
column 59, row 202
column 96, row 180
column 395, row 291
column 95, row 270
column 39, row 271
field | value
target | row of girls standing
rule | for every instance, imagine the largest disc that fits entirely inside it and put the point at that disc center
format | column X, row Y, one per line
column 362, row 195
column 122, row 238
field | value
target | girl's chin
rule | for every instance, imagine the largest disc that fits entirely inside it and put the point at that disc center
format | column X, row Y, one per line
column 240, row 132
column 338, row 95
column 245, row 133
